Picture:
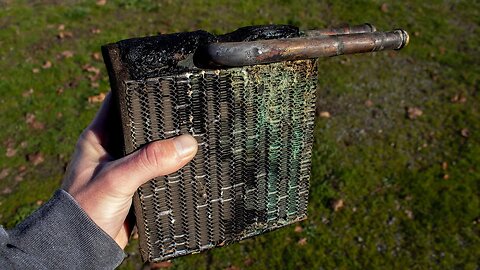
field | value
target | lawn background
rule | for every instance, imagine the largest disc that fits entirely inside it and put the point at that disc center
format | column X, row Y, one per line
column 389, row 189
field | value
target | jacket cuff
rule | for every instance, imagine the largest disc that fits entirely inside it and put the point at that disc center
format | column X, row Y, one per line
column 62, row 234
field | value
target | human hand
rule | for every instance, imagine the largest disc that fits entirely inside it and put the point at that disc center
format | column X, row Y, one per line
column 104, row 187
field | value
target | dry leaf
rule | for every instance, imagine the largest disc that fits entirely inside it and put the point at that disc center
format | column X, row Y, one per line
column 384, row 7
column 101, row 2
column 97, row 99
column 47, row 65
column 444, row 165
column 96, row 56
column 414, row 112
column 24, row 144
column 161, row 265
column 11, row 152
column 248, row 262
column 369, row 103
column 91, row 69
column 298, row 229
column 232, row 267
column 302, row 242
column 27, row 93
column 6, row 190
column 61, row 27
column 459, row 98
column 35, row 70
column 324, row 114
column 95, row 31
column 64, row 34
column 67, row 54
column 35, row 158
column 465, row 132
column 31, row 120
column 337, row 205
column 446, row 177
column 409, row 214
column 4, row 173
column 60, row 90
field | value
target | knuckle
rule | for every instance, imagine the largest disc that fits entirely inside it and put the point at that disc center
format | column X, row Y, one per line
column 156, row 154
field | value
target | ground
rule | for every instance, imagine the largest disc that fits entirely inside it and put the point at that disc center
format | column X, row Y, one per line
column 395, row 175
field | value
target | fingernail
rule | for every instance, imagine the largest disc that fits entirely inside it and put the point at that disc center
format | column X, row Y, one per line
column 185, row 145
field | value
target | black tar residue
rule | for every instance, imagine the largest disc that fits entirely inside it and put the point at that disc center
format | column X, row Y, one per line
column 159, row 55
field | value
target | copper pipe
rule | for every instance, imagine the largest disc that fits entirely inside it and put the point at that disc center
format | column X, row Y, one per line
column 236, row 54
column 341, row 30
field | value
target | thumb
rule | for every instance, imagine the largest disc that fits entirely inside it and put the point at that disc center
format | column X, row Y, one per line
column 155, row 159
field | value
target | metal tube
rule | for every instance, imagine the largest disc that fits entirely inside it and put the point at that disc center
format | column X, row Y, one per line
column 236, row 54
column 341, row 30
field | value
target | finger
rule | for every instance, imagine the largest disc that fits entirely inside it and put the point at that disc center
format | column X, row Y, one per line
column 107, row 127
column 155, row 159
column 99, row 123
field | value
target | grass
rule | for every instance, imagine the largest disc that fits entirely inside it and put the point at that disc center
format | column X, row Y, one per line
column 410, row 187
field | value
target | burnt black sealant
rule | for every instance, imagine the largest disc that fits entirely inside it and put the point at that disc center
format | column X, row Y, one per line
column 169, row 54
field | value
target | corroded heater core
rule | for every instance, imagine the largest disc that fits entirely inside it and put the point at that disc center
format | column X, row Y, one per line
column 253, row 120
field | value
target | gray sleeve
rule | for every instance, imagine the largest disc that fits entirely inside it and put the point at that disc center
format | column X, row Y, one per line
column 59, row 235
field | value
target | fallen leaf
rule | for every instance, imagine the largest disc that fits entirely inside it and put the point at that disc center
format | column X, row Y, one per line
column 61, row 27
column 64, row 34
column 94, row 85
column 414, row 112
column 27, row 93
column 232, row 267
column 369, row 103
column 91, row 69
column 444, row 165
column 458, row 98
column 35, row 70
column 409, row 214
column 465, row 132
column 302, row 241
column 101, row 2
column 337, row 205
column 94, row 77
column 35, row 158
column 161, row 265
column 31, row 120
column 325, row 114
column 384, row 7
column 96, row 56
column 22, row 168
column 60, row 90
column 95, row 31
column 24, row 144
column 47, row 65
column 19, row 177
column 4, row 173
column 416, row 33
column 6, row 190
column 97, row 99
column 248, row 262
column 67, row 54
column 298, row 229
column 11, row 152
column 39, row 202
column 446, row 177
